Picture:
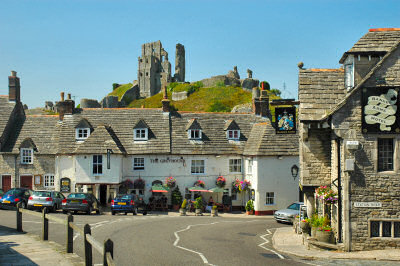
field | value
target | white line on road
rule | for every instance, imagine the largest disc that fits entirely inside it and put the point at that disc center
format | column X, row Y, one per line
column 266, row 242
column 196, row 252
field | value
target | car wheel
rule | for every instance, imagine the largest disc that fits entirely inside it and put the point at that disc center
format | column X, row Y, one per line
column 98, row 212
column 113, row 212
column 23, row 205
column 126, row 213
column 145, row 213
column 89, row 212
column 65, row 212
column 134, row 211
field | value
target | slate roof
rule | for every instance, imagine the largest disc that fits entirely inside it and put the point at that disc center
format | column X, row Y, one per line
column 375, row 41
column 264, row 141
column 42, row 130
column 319, row 91
column 121, row 121
column 6, row 109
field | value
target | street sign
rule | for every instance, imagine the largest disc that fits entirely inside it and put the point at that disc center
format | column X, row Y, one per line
column 367, row 204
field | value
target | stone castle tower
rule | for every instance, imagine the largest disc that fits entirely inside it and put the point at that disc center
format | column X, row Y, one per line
column 154, row 69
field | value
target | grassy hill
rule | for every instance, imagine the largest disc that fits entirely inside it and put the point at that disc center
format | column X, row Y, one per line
column 213, row 99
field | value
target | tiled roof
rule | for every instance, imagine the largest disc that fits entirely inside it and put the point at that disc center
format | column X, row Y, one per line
column 121, row 121
column 6, row 109
column 264, row 141
column 43, row 131
column 214, row 140
column 319, row 91
column 376, row 40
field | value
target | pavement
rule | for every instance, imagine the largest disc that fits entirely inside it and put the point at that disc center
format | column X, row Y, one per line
column 26, row 249
column 286, row 241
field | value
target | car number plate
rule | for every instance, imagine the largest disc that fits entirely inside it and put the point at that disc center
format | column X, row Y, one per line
column 37, row 205
column 6, row 201
column 74, row 201
column 121, row 203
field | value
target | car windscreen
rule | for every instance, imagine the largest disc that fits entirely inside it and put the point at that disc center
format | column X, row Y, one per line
column 14, row 192
column 294, row 206
column 77, row 196
column 42, row 193
column 124, row 197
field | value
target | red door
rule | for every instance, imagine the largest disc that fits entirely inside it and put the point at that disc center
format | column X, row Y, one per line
column 6, row 182
column 26, row 181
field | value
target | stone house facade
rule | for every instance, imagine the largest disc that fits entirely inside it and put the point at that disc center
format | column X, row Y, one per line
column 349, row 140
column 98, row 150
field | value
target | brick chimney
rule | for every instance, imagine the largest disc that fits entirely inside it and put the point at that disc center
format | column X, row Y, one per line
column 166, row 107
column 65, row 106
column 254, row 98
column 264, row 103
column 14, row 88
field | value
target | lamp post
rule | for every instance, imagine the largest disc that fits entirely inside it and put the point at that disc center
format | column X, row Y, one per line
column 295, row 171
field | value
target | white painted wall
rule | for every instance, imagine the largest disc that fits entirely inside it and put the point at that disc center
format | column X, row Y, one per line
column 271, row 174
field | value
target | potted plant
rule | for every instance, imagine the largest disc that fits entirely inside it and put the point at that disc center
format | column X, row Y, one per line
column 198, row 205
column 170, row 182
column 324, row 234
column 199, row 183
column 315, row 222
column 214, row 211
column 176, row 198
column 305, row 225
column 182, row 210
column 220, row 181
column 235, row 185
column 249, row 207
column 138, row 183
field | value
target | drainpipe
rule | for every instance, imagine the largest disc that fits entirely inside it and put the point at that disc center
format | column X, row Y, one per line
column 16, row 171
column 346, row 212
column 340, row 200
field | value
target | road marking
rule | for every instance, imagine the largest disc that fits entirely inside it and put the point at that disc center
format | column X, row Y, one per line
column 266, row 241
column 196, row 252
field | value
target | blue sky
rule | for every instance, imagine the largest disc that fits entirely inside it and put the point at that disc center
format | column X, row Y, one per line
column 82, row 47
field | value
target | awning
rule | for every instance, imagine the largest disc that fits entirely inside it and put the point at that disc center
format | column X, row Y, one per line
column 159, row 188
column 218, row 189
column 198, row 189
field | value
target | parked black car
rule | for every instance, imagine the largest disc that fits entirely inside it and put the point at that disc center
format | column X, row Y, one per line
column 83, row 202
column 15, row 195
column 128, row 203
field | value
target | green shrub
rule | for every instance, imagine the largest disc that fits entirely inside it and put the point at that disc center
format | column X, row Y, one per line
column 266, row 85
column 218, row 106
column 316, row 221
column 198, row 84
column 198, row 204
column 176, row 197
column 249, row 206
column 172, row 85
column 115, row 85
column 220, row 83
column 184, row 203
column 276, row 92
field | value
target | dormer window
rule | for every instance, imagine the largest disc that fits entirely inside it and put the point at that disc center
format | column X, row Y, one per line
column 140, row 134
column 82, row 133
column 26, row 156
column 349, row 72
column 233, row 134
column 194, row 133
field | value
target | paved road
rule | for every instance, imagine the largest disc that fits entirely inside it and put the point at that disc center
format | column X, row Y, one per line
column 158, row 239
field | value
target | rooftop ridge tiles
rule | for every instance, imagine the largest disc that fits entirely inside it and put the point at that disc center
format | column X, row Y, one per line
column 384, row 29
column 200, row 112
column 124, row 108
column 326, row 69
column 3, row 95
column 42, row 115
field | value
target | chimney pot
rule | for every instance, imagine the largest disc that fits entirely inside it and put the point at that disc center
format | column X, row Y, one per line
column 13, row 73
column 14, row 87
column 62, row 96
column 69, row 96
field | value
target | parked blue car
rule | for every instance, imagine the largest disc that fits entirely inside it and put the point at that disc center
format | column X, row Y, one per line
column 128, row 203
column 15, row 195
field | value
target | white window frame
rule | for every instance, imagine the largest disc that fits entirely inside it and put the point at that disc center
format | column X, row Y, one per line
column 82, row 133
column 48, row 181
column 196, row 167
column 138, row 163
column 194, row 133
column 233, row 134
column 233, row 164
column 140, row 134
column 349, row 77
column 26, row 156
column 250, row 166
column 268, row 197
column 233, row 195
column 97, row 164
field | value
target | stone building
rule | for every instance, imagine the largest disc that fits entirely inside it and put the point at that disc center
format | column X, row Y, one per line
column 349, row 140
column 98, row 150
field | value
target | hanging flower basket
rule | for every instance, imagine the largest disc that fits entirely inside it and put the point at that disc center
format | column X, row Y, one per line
column 170, row 182
column 235, row 185
column 221, row 181
column 327, row 194
column 127, row 183
column 138, row 183
column 199, row 183
column 244, row 185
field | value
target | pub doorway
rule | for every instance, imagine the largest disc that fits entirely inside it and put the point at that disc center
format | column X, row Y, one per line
column 103, row 195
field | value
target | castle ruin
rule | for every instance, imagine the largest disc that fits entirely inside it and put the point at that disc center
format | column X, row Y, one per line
column 154, row 69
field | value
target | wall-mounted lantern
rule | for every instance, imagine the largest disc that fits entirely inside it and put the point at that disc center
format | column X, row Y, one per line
column 109, row 152
column 295, row 171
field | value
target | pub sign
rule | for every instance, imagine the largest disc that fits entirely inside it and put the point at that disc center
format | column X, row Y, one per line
column 65, row 184
column 285, row 119
column 380, row 110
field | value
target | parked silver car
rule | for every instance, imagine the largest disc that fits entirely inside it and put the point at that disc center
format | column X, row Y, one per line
column 44, row 198
column 287, row 215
